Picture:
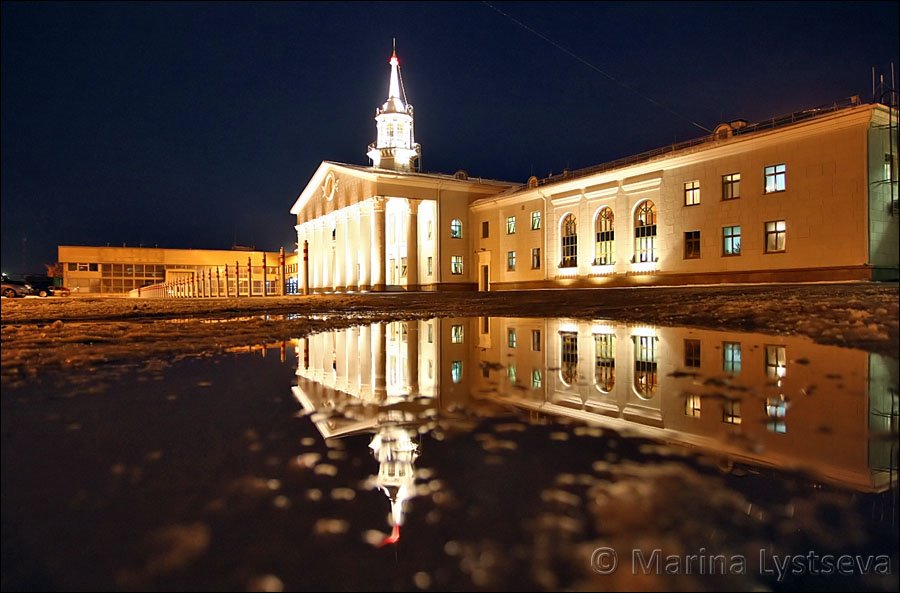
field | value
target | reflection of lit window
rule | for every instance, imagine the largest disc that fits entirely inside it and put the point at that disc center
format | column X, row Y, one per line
column 511, row 338
column 430, row 334
column 485, row 371
column 776, row 408
column 776, row 362
column 569, row 356
column 511, row 373
column 605, row 363
column 403, row 267
column 731, row 412
column 456, row 371
column 646, row 378
column 456, row 334
column 429, row 266
column 537, row 379
column 431, row 369
column 485, row 325
column 485, row 229
column 536, row 340
column 692, row 405
column 692, row 353
column 731, row 357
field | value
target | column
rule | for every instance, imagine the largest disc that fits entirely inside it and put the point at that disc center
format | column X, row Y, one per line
column 351, row 249
column 353, row 357
column 379, row 234
column 412, row 356
column 315, row 250
column 303, row 262
column 327, row 248
column 379, row 346
column 340, row 251
column 363, row 246
column 412, row 246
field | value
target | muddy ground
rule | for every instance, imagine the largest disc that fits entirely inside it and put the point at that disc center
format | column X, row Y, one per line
column 53, row 333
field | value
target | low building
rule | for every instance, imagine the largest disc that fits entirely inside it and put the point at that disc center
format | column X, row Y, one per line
column 208, row 272
column 806, row 197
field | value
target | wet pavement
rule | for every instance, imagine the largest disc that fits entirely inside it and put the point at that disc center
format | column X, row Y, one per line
column 461, row 453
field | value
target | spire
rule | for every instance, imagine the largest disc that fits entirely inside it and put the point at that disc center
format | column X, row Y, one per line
column 395, row 146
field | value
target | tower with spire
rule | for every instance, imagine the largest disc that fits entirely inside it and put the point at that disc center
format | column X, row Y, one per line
column 395, row 146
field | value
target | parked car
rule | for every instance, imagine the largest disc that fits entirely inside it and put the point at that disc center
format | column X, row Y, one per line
column 41, row 285
column 15, row 288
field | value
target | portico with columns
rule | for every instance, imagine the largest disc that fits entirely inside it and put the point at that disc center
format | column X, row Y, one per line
column 387, row 226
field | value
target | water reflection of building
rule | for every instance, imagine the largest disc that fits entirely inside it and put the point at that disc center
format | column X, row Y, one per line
column 774, row 401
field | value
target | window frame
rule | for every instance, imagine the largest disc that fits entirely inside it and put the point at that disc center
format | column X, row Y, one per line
column 731, row 186
column 456, row 228
column 776, row 233
column 726, row 238
column 692, row 245
column 776, row 173
column 692, row 193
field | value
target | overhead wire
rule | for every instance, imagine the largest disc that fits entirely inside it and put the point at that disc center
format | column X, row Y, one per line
column 572, row 54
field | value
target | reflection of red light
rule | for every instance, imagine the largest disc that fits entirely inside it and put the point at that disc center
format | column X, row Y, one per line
column 393, row 538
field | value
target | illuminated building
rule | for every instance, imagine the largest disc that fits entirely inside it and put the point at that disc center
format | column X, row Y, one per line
column 196, row 272
column 810, row 196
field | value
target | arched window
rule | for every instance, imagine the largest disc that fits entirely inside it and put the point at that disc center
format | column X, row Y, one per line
column 456, row 229
column 646, row 375
column 605, row 361
column 605, row 234
column 645, row 232
column 568, row 354
column 569, row 242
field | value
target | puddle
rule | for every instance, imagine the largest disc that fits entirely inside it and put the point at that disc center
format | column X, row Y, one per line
column 463, row 453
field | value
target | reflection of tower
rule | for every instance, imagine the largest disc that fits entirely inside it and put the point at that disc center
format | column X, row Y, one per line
column 396, row 452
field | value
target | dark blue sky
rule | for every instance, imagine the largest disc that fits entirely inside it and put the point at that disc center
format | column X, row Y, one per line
column 196, row 125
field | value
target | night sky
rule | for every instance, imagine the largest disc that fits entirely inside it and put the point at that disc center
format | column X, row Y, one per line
column 197, row 125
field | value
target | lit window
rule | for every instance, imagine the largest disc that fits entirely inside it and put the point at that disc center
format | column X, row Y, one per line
column 537, row 378
column 692, row 193
column 456, row 264
column 775, row 178
column 510, row 225
column 536, row 340
column 731, row 412
column 536, row 220
column 569, row 357
column 776, row 408
column 456, row 371
column 776, row 362
column 511, row 338
column 731, row 240
column 535, row 258
column 692, row 405
column 456, row 334
column 510, row 261
column 569, row 242
column 731, row 357
column 776, row 232
column 692, row 354
column 511, row 373
column 645, row 232
column 692, row 245
column 485, row 229
column 456, row 229
column 731, row 186
column 646, row 376
column 605, row 245
column 605, row 361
